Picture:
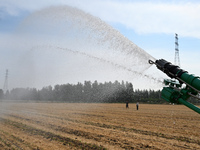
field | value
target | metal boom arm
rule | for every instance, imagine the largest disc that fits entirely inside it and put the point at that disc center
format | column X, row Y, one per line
column 174, row 92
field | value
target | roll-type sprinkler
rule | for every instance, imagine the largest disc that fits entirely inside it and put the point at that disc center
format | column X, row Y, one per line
column 176, row 92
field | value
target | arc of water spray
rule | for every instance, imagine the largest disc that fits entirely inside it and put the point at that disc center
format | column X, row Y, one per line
column 99, row 59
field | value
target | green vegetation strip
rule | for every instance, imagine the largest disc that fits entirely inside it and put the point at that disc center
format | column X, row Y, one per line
column 52, row 136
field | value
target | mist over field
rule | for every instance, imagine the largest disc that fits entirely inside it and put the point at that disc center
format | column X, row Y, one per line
column 62, row 44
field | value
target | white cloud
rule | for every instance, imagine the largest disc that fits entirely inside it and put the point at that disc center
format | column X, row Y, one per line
column 143, row 17
column 147, row 17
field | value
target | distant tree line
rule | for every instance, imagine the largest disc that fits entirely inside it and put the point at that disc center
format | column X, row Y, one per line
column 88, row 92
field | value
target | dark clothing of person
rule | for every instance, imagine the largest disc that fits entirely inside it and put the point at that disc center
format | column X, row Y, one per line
column 126, row 104
column 137, row 106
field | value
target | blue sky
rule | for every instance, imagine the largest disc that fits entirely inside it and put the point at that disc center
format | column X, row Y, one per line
column 149, row 24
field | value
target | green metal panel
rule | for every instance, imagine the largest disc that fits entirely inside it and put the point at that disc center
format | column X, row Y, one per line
column 191, row 106
column 191, row 80
column 169, row 95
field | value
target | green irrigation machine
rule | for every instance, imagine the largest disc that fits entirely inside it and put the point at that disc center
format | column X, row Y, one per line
column 181, row 86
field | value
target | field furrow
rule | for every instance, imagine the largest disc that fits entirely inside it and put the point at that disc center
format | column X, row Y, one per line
column 98, row 126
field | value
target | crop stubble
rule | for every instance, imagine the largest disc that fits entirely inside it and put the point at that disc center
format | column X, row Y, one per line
column 97, row 126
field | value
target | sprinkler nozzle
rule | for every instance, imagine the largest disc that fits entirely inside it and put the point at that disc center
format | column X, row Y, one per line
column 151, row 62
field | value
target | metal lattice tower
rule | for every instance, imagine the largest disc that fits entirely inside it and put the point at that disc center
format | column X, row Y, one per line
column 5, row 87
column 176, row 59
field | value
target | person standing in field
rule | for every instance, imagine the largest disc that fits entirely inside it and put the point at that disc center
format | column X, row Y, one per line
column 127, row 104
column 137, row 105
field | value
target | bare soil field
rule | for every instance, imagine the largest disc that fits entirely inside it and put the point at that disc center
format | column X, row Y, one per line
column 51, row 126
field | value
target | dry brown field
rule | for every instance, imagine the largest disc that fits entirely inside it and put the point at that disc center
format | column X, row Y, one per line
column 52, row 126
